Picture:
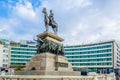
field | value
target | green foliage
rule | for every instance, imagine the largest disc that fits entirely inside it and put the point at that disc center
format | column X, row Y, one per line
column 19, row 68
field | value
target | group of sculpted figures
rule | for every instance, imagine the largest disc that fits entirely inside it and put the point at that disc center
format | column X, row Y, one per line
column 49, row 21
column 45, row 45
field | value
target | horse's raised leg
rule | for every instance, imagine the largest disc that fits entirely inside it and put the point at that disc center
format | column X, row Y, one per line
column 56, row 29
column 46, row 27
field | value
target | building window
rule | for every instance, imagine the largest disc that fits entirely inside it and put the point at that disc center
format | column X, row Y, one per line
column 6, row 46
column 32, row 46
column 5, row 51
column 5, row 60
column 14, row 48
column 5, row 56
column 5, row 65
column 23, row 45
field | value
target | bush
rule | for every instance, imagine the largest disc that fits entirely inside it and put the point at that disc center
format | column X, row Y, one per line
column 19, row 68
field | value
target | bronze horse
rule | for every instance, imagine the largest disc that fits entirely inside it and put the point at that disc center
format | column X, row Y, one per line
column 49, row 22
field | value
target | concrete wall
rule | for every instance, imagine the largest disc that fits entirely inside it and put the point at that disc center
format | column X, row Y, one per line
column 4, row 56
column 31, row 77
column 1, row 54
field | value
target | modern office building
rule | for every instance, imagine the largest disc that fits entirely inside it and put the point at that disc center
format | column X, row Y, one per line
column 21, row 52
column 101, row 57
column 4, row 55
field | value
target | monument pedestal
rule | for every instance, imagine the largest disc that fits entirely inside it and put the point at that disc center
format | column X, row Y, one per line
column 50, row 64
column 50, row 36
column 50, row 58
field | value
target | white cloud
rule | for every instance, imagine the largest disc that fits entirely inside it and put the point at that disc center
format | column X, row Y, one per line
column 80, row 21
column 22, row 21
column 1, row 29
column 71, row 4
column 24, row 11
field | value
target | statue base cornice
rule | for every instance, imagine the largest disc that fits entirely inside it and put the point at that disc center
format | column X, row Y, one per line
column 50, row 36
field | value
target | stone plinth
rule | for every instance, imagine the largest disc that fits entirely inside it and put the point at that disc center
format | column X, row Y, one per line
column 46, row 63
column 50, row 36
column 49, row 64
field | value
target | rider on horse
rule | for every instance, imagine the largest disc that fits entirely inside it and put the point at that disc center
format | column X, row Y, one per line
column 51, row 17
column 49, row 21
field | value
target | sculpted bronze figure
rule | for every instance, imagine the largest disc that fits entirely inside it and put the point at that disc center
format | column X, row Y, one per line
column 49, row 46
column 45, row 45
column 49, row 21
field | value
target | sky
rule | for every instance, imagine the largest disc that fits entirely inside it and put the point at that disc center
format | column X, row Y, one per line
column 79, row 21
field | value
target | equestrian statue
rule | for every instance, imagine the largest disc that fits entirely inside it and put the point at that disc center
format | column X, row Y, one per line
column 49, row 21
column 45, row 45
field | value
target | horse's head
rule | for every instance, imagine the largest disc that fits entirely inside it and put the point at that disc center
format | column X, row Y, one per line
column 44, row 10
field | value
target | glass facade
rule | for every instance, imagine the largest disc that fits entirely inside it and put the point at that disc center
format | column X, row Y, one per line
column 21, row 53
column 92, row 56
